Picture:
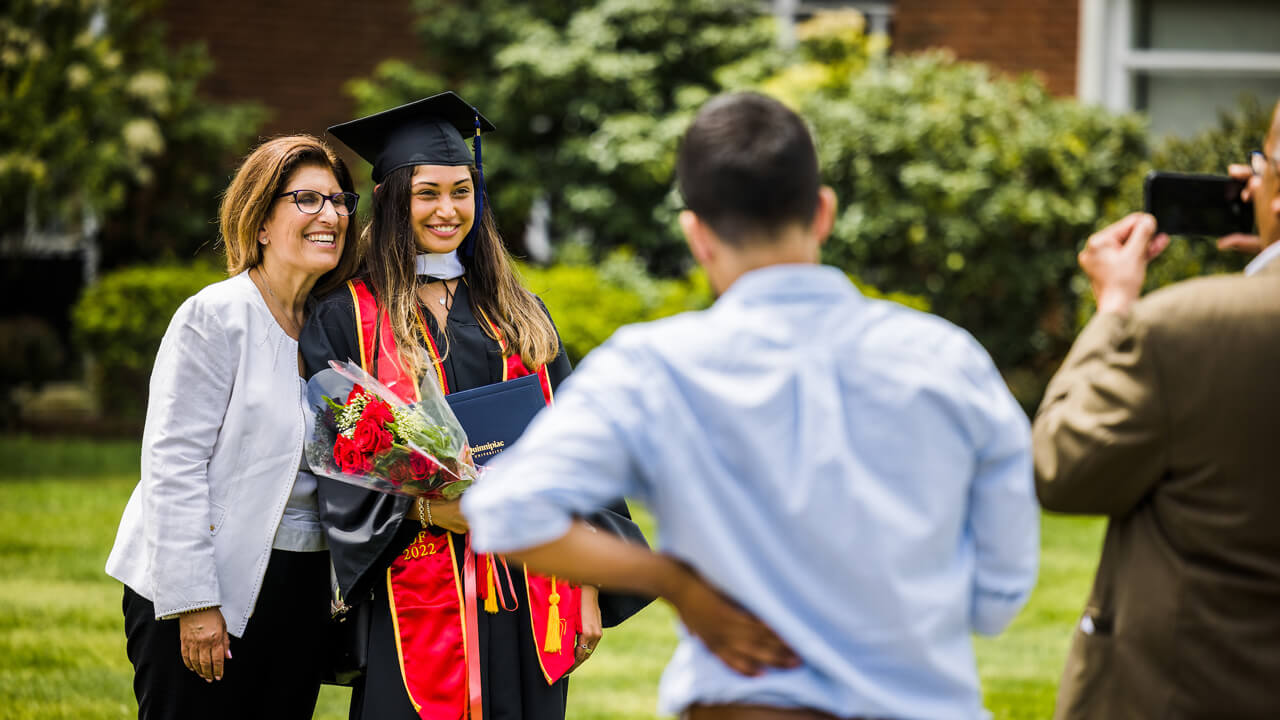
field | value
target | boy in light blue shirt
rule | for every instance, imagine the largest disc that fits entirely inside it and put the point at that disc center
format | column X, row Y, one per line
column 853, row 474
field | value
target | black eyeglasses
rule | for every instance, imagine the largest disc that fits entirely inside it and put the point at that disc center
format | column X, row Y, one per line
column 1258, row 160
column 312, row 202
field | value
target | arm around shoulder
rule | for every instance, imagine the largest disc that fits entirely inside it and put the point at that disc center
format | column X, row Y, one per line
column 330, row 332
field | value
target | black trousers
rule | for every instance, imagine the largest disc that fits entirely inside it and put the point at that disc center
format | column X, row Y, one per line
column 274, row 671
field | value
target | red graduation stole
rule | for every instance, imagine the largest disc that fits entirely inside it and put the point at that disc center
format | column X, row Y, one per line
column 433, row 601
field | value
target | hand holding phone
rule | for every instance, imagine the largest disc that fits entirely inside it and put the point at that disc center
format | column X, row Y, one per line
column 1186, row 204
column 1243, row 243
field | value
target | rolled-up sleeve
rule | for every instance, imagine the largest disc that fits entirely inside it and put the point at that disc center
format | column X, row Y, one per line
column 576, row 457
column 1004, row 518
column 190, row 388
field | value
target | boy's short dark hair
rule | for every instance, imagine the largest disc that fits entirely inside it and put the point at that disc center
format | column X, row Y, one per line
column 747, row 167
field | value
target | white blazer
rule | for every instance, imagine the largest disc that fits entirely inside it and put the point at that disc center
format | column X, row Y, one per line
column 220, row 453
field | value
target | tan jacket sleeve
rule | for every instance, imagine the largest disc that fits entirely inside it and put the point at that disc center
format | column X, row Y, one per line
column 1097, row 439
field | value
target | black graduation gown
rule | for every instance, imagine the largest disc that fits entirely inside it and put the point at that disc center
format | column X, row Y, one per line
column 366, row 530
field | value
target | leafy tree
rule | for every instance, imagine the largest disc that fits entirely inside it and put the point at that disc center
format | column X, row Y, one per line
column 589, row 101
column 99, row 118
column 969, row 189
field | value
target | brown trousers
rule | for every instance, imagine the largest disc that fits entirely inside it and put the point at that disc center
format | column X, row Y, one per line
column 753, row 712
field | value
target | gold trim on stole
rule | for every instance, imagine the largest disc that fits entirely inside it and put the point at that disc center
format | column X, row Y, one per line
column 435, row 352
column 395, row 631
column 355, row 302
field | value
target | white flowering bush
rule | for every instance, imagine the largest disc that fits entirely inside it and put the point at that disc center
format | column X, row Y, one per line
column 95, row 112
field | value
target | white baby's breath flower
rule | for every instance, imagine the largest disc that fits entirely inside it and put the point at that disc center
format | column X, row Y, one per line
column 408, row 423
column 350, row 414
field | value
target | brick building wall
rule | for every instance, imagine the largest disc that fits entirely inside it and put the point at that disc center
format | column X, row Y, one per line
column 293, row 56
column 1012, row 35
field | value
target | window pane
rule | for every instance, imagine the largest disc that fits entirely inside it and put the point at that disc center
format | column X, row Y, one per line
column 1184, row 104
column 1228, row 25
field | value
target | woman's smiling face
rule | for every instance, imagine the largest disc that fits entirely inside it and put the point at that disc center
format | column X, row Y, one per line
column 307, row 243
column 443, row 206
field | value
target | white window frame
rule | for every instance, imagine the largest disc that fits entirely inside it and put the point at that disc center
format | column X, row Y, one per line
column 1107, row 63
column 878, row 14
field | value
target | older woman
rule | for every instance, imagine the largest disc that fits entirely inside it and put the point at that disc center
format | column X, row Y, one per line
column 220, row 550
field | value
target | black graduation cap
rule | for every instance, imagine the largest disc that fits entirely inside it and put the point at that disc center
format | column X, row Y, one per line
column 429, row 131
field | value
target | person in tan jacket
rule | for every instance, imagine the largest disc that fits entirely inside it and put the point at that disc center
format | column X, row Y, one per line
column 1162, row 417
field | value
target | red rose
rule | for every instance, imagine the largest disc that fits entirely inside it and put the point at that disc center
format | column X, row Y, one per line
column 339, row 447
column 421, row 466
column 399, row 474
column 350, row 458
column 356, row 392
column 371, row 437
column 378, row 411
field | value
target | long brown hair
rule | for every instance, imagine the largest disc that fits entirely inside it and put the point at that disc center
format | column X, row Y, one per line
column 261, row 177
column 389, row 267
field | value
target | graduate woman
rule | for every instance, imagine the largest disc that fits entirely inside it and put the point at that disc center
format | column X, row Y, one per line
column 220, row 549
column 451, row 633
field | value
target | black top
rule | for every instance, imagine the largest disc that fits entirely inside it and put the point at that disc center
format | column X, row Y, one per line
column 429, row 131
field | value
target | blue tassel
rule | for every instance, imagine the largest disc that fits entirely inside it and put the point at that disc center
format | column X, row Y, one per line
column 468, row 247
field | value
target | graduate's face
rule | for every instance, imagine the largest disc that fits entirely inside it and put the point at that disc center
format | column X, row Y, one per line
column 311, row 244
column 442, row 204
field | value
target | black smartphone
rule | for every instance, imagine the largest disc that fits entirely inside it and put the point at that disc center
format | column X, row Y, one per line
column 1185, row 204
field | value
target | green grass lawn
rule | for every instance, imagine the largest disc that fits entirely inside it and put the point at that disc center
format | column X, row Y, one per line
column 62, row 639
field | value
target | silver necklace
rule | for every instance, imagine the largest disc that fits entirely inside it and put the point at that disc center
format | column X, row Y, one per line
column 444, row 284
column 262, row 274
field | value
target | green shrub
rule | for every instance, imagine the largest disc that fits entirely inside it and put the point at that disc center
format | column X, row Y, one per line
column 120, row 321
column 590, row 302
column 912, row 301
column 974, row 192
column 586, row 312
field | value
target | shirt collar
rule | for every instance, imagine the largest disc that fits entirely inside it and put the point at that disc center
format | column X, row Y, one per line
column 1264, row 257
column 798, row 280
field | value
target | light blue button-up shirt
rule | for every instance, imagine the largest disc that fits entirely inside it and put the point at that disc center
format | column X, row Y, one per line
column 854, row 473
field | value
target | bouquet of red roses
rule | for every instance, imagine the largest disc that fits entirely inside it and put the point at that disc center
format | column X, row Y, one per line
column 365, row 435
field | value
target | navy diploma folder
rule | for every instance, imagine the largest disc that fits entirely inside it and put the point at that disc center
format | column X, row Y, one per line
column 493, row 416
